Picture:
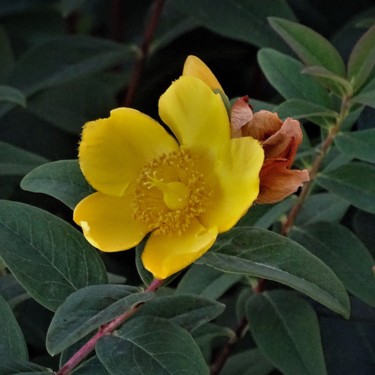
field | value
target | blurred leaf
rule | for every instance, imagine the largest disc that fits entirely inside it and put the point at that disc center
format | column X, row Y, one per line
column 8, row 7
column 322, row 207
column 12, row 367
column 12, row 291
column 91, row 367
column 264, row 254
column 367, row 95
column 68, row 7
column 64, row 59
column 6, row 53
column 341, row 250
column 87, row 309
column 147, row 344
column 298, row 108
column 12, row 95
column 312, row 48
column 206, row 282
column 238, row 19
column 363, row 226
column 353, row 182
column 47, row 256
column 15, row 161
column 362, row 59
column 12, row 342
column 60, row 179
column 358, row 145
column 286, row 330
column 249, row 362
column 187, row 311
column 284, row 73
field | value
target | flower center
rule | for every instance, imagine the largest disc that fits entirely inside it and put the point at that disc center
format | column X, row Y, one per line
column 169, row 193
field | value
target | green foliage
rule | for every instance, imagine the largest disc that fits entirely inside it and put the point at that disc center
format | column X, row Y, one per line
column 290, row 290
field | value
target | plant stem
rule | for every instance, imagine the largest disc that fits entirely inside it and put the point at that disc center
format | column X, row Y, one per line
column 104, row 330
column 144, row 51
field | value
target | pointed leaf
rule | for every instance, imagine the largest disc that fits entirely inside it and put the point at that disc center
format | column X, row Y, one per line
column 12, row 342
column 87, row 309
column 353, row 182
column 310, row 47
column 147, row 345
column 340, row 249
column 60, row 179
column 262, row 253
column 367, row 95
column 13, row 95
column 48, row 257
column 362, row 59
column 286, row 330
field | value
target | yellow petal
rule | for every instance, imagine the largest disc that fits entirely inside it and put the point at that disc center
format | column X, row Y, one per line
column 165, row 255
column 234, row 181
column 195, row 67
column 113, row 150
column 107, row 222
column 195, row 114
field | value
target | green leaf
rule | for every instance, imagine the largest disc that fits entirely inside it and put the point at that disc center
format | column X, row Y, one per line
column 322, row 207
column 367, row 95
column 188, row 311
column 12, row 367
column 286, row 330
column 12, row 342
column 91, row 367
column 250, row 24
column 358, row 144
column 353, row 182
column 60, row 179
column 12, row 95
column 206, row 282
column 264, row 254
column 87, row 309
column 147, row 345
column 341, row 250
column 311, row 47
column 48, row 257
column 284, row 73
column 15, row 161
column 362, row 59
column 249, row 362
column 66, row 58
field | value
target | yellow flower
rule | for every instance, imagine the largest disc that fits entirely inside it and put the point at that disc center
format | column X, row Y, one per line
column 184, row 190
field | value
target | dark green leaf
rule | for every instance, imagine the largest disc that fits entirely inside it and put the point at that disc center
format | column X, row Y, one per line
column 362, row 59
column 48, row 256
column 91, row 367
column 249, row 362
column 148, row 345
column 341, row 250
column 87, row 309
column 12, row 291
column 250, row 24
column 15, row 161
column 189, row 312
column 284, row 73
column 264, row 254
column 12, row 342
column 353, row 182
column 367, row 95
column 286, row 330
column 358, row 145
column 64, row 59
column 322, row 207
column 206, row 282
column 12, row 95
column 70, row 6
column 312, row 48
column 60, row 179
column 12, row 367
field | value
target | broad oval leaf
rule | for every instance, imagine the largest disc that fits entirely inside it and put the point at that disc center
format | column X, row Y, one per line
column 312, row 48
column 286, row 330
column 262, row 253
column 353, row 182
column 338, row 247
column 48, row 257
column 148, row 345
column 358, row 144
column 87, row 309
column 188, row 311
column 60, row 179
column 12, row 95
column 12, row 342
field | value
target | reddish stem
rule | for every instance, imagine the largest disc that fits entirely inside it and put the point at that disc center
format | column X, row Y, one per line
column 104, row 330
column 144, row 49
